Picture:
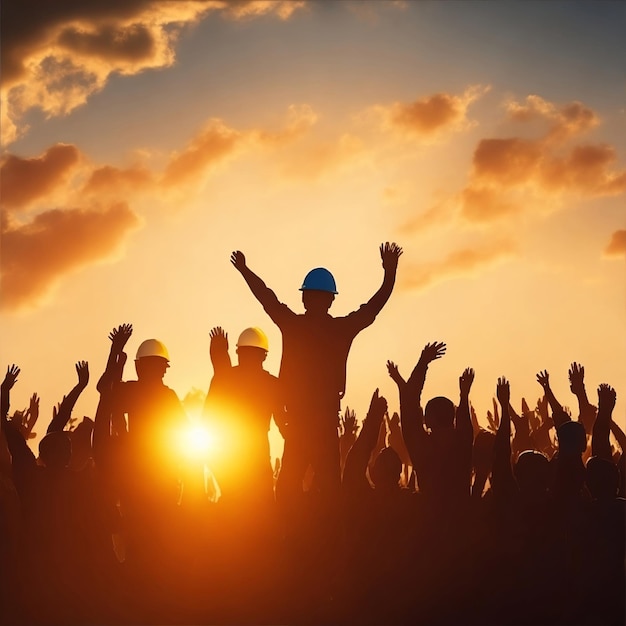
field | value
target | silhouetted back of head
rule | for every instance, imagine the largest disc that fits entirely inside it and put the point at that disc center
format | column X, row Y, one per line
column 532, row 472
column 251, row 357
column 439, row 413
column 387, row 469
column 317, row 301
column 151, row 368
column 572, row 439
column 602, row 478
column 55, row 450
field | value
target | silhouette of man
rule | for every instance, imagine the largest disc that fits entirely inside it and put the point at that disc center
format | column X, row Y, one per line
column 149, row 458
column 313, row 368
column 239, row 405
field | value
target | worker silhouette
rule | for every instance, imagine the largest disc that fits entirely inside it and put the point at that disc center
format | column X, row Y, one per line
column 150, row 461
column 313, row 368
column 239, row 407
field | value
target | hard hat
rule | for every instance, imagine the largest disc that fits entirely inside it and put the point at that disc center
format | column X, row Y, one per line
column 253, row 338
column 152, row 347
column 319, row 279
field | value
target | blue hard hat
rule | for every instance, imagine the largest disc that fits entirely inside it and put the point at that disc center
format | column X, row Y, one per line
column 319, row 279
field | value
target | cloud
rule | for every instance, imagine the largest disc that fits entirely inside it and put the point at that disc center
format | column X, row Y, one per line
column 113, row 180
column 434, row 215
column 27, row 180
column 55, row 55
column 36, row 255
column 464, row 262
column 319, row 157
column 515, row 174
column 617, row 245
column 212, row 145
column 431, row 115
column 573, row 118
column 300, row 119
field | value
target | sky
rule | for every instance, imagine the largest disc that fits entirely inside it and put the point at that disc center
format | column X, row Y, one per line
column 143, row 142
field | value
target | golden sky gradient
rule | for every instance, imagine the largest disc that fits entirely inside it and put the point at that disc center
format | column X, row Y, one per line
column 144, row 141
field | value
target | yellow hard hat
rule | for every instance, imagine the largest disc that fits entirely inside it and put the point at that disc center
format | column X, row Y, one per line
column 253, row 338
column 152, row 347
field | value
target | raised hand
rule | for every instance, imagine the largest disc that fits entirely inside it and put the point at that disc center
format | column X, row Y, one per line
column 219, row 338
column 390, row 253
column 465, row 381
column 119, row 336
column 349, row 424
column 378, row 406
column 238, row 259
column 494, row 418
column 82, row 369
column 10, row 378
column 543, row 378
column 395, row 375
column 606, row 398
column 32, row 415
column 432, row 351
column 576, row 374
column 503, row 391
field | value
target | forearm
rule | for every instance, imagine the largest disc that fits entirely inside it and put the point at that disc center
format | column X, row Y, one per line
column 4, row 404
column 600, row 445
column 257, row 286
column 360, row 452
column 66, row 407
column 502, row 473
column 413, row 433
column 380, row 298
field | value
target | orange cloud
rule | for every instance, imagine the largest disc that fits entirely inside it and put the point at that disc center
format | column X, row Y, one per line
column 35, row 256
column 512, row 173
column 109, row 179
column 573, row 118
column 464, row 262
column 430, row 115
column 27, row 180
column 212, row 145
column 617, row 245
column 55, row 55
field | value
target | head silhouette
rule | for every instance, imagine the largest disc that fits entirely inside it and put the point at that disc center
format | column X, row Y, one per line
column 602, row 478
column 249, row 356
column 532, row 472
column 55, row 450
column 387, row 469
column 439, row 413
column 316, row 301
column 151, row 368
column 572, row 439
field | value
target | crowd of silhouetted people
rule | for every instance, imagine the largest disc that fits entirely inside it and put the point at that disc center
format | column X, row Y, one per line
column 141, row 515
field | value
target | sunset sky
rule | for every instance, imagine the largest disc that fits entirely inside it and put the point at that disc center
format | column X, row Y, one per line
column 143, row 142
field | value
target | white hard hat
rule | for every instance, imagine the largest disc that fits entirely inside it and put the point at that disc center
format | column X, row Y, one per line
column 152, row 347
column 253, row 338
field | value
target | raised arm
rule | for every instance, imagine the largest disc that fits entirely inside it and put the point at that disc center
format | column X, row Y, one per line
column 463, row 422
column 259, row 289
column 502, row 474
column 390, row 254
column 22, row 458
column 62, row 416
column 118, row 336
column 586, row 410
column 411, row 412
column 220, row 359
column 600, row 445
column 354, row 474
column 10, row 378
column 559, row 416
